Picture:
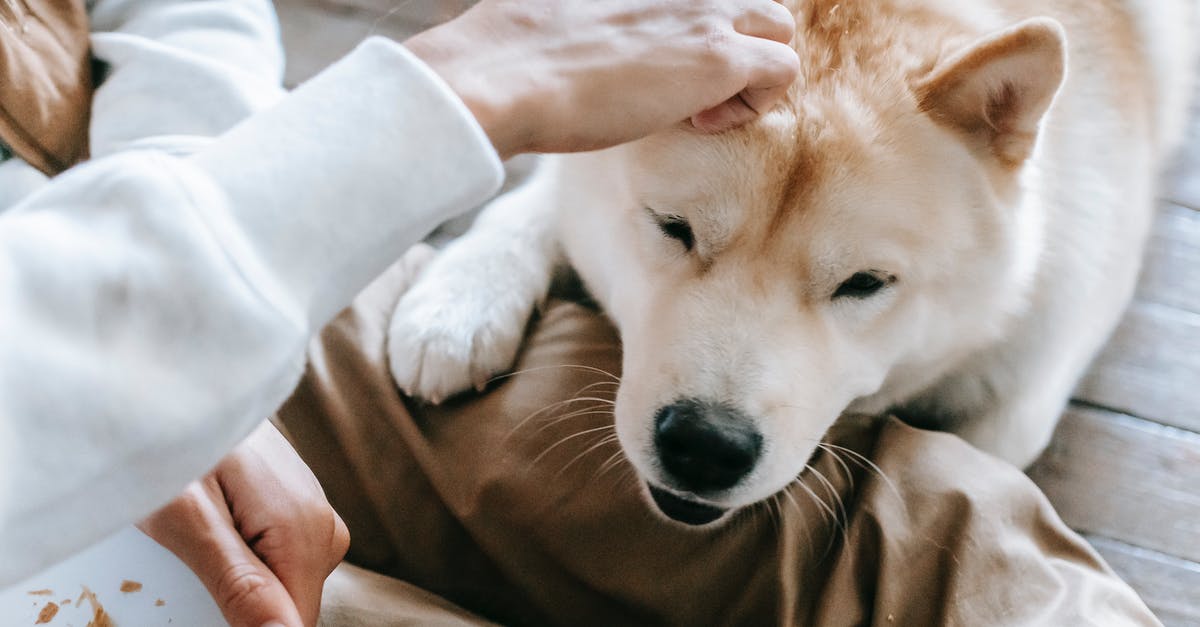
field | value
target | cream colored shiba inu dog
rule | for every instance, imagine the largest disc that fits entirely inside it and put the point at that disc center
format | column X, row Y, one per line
column 945, row 218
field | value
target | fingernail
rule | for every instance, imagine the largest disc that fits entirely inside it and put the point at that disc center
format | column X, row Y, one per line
column 274, row 624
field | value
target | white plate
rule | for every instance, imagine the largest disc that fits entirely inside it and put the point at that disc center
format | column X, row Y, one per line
column 127, row 556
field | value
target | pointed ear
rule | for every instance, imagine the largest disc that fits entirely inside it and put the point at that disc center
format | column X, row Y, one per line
column 998, row 89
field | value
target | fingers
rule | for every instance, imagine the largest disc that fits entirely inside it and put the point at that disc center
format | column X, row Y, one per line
column 771, row 69
column 766, row 20
column 197, row 528
column 258, row 532
column 303, row 564
column 279, row 508
column 771, row 76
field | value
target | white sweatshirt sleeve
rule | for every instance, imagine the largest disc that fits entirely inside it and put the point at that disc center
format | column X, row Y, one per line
column 176, row 74
column 154, row 309
column 179, row 72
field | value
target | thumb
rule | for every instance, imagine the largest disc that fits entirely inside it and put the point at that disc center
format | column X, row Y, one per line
column 247, row 592
column 197, row 528
column 729, row 114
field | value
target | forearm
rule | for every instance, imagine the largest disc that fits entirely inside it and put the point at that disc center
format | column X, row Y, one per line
column 155, row 309
column 572, row 76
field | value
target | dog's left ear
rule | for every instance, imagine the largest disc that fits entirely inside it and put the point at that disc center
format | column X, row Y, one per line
column 998, row 89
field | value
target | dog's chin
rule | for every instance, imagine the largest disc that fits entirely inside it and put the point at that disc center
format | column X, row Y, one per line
column 683, row 510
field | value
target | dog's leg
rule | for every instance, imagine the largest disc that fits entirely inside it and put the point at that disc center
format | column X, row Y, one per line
column 1018, row 428
column 1009, row 400
column 464, row 319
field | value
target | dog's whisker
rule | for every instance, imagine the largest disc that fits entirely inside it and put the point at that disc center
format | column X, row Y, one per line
column 580, row 414
column 583, row 367
column 834, row 496
column 531, row 416
column 593, row 410
column 627, row 473
column 597, row 384
column 801, row 519
column 836, row 516
column 600, row 402
column 867, row 464
column 599, row 387
column 842, row 466
column 609, row 464
column 825, row 508
column 774, row 516
column 845, row 468
column 827, row 485
column 842, row 520
column 603, row 401
column 608, row 439
column 586, row 414
column 553, row 406
column 573, row 436
column 795, row 503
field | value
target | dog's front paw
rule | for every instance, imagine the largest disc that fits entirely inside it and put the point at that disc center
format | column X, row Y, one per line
column 449, row 334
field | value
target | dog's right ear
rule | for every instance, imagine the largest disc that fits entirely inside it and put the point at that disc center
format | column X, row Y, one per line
column 997, row 90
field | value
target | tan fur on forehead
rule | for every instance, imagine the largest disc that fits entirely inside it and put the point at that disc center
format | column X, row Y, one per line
column 852, row 108
column 859, row 60
column 878, row 46
column 858, row 63
column 852, row 40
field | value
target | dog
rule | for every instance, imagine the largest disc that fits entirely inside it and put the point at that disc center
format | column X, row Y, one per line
column 944, row 218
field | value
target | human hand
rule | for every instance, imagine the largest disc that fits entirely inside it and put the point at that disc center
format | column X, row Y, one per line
column 575, row 75
column 258, row 532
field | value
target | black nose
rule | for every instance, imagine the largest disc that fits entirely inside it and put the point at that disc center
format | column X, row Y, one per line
column 705, row 446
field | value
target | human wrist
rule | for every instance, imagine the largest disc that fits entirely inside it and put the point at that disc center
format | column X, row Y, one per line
column 497, row 109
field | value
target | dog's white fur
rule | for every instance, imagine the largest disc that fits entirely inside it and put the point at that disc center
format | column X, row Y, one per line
column 1015, row 238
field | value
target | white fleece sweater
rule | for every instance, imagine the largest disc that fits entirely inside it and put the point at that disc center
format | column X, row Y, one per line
column 155, row 303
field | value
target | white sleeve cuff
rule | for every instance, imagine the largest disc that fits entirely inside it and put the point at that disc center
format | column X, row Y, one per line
column 335, row 182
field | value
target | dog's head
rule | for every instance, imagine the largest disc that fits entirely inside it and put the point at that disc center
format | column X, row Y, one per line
column 842, row 249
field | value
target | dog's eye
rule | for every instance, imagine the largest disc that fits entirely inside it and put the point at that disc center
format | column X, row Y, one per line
column 863, row 285
column 677, row 228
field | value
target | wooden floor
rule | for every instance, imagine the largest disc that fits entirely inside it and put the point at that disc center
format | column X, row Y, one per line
column 1124, row 467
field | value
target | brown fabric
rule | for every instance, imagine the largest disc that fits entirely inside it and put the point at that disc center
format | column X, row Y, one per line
column 515, row 507
column 45, row 73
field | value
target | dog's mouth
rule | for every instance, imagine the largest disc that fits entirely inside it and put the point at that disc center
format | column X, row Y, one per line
column 683, row 510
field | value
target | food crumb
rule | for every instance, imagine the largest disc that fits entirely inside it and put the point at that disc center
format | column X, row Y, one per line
column 100, row 618
column 128, row 586
column 891, row 618
column 41, row 593
column 65, row 602
column 47, row 614
column 159, row 603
